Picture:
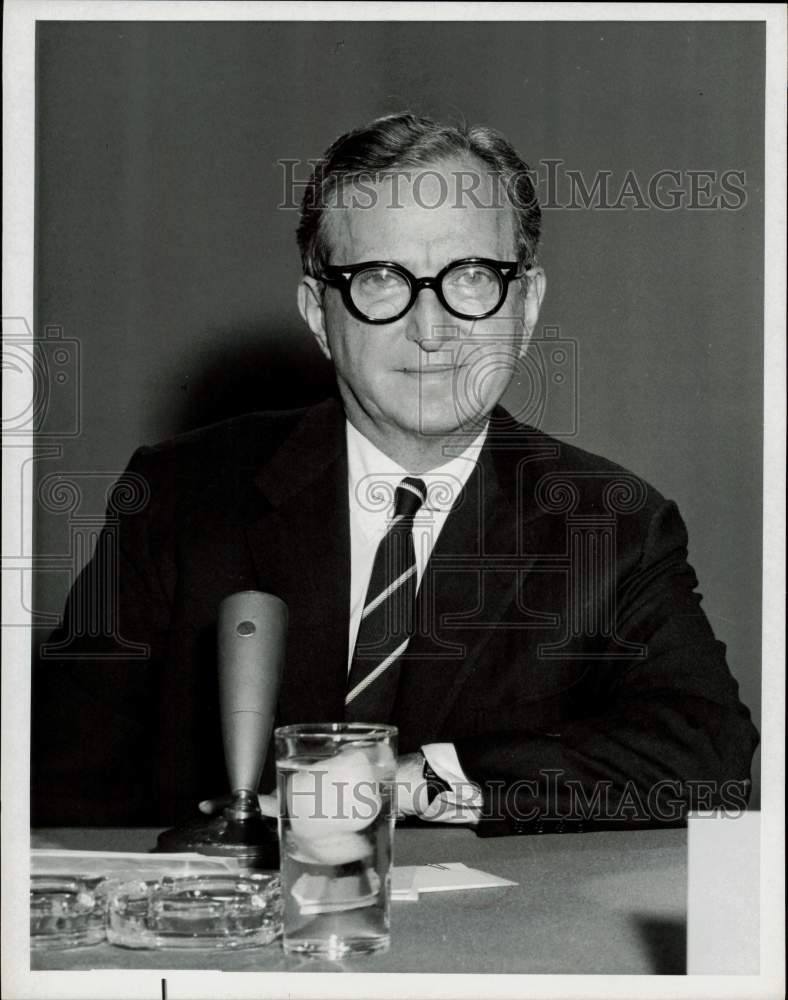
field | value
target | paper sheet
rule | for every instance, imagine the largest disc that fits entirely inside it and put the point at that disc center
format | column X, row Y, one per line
column 332, row 894
column 55, row 861
column 410, row 880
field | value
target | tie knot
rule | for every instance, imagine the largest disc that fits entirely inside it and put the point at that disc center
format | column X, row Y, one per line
column 411, row 494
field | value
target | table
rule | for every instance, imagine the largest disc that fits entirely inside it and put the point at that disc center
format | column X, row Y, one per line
column 592, row 903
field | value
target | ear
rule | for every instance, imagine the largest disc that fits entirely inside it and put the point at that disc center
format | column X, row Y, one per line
column 535, row 289
column 310, row 305
column 537, row 285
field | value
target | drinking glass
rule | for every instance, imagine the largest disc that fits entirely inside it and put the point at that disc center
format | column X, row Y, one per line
column 335, row 783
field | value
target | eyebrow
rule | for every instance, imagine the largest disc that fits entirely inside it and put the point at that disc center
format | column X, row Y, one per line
column 388, row 259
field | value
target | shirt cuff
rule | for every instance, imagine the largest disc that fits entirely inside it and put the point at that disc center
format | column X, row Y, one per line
column 462, row 803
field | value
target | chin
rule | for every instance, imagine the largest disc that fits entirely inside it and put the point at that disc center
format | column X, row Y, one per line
column 439, row 419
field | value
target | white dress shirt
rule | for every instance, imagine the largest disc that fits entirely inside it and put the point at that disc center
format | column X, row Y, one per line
column 372, row 481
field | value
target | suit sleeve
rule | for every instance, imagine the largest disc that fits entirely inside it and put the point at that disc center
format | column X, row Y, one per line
column 665, row 730
column 94, row 725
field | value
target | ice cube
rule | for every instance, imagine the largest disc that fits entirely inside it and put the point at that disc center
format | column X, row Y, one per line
column 334, row 796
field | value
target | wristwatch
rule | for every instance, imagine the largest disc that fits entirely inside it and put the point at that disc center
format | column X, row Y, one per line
column 435, row 784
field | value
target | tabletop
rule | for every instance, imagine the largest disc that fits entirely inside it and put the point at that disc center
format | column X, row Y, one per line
column 592, row 903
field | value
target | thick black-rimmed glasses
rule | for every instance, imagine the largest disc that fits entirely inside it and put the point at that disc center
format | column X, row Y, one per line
column 379, row 291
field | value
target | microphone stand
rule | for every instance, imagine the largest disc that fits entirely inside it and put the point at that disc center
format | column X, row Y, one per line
column 251, row 644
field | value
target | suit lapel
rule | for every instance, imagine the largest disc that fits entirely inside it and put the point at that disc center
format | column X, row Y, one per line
column 301, row 550
column 459, row 589
column 471, row 579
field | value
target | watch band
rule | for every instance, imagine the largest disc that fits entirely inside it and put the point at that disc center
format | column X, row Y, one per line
column 435, row 784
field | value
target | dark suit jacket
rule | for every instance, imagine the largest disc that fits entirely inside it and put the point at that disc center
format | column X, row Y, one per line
column 562, row 647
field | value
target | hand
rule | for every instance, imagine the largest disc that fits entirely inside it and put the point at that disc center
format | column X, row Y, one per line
column 459, row 804
column 411, row 794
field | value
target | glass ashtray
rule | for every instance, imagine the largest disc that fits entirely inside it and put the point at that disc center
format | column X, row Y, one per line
column 201, row 911
column 66, row 911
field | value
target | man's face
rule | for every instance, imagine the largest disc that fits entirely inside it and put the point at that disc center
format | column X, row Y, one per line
column 427, row 373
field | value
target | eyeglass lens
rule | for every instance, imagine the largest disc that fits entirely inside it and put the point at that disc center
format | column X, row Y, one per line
column 382, row 293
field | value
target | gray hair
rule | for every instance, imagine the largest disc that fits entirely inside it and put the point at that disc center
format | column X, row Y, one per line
column 406, row 140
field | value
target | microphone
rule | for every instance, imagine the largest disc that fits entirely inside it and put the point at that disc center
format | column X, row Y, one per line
column 251, row 639
column 252, row 627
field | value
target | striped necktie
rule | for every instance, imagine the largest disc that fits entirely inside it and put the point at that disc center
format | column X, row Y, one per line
column 387, row 620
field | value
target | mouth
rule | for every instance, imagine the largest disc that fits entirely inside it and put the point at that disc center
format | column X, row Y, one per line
column 438, row 363
column 431, row 370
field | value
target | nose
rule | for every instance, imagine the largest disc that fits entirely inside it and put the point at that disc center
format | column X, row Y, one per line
column 428, row 323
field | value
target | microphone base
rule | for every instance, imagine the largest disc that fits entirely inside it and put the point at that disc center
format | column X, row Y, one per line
column 251, row 841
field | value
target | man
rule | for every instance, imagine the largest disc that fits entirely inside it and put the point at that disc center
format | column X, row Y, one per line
column 522, row 611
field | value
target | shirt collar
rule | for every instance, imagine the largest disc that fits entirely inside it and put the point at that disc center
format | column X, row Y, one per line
column 373, row 476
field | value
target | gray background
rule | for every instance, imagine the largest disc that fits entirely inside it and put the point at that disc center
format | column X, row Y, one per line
column 161, row 249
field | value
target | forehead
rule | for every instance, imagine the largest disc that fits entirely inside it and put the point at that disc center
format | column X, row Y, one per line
column 419, row 216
